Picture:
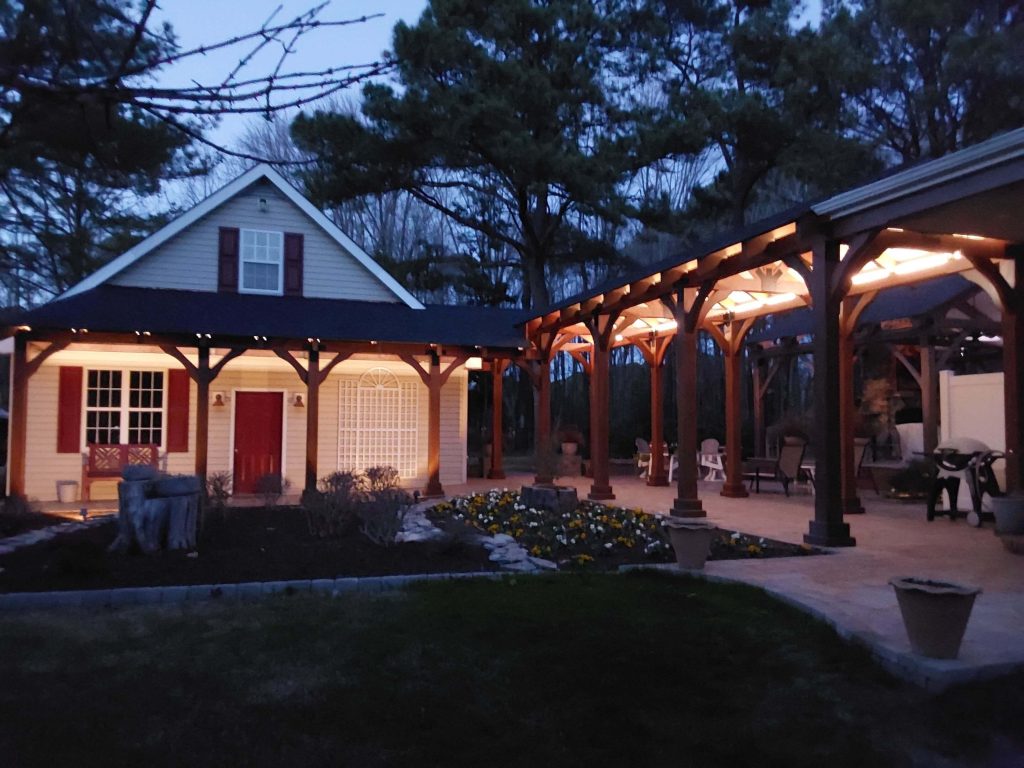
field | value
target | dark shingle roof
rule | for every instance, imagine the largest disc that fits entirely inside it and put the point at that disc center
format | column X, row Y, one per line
column 112, row 308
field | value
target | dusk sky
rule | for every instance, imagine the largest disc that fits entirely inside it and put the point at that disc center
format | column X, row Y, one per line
column 198, row 22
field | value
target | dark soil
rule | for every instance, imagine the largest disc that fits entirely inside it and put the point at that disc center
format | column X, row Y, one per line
column 13, row 523
column 247, row 544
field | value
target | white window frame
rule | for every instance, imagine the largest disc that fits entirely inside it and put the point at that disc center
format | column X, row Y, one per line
column 242, row 262
column 125, row 409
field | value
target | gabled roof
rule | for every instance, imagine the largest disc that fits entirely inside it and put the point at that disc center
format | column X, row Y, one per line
column 902, row 301
column 221, row 196
column 126, row 309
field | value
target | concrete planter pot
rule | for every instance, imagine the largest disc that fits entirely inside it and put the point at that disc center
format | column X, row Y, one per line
column 1009, row 514
column 935, row 614
column 691, row 540
column 556, row 498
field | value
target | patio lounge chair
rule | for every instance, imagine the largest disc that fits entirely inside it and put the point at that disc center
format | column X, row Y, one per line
column 643, row 456
column 783, row 469
column 710, row 457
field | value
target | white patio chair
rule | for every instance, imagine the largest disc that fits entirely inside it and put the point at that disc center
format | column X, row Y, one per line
column 673, row 465
column 643, row 456
column 711, row 459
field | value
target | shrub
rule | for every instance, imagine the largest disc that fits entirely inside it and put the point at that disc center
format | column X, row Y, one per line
column 382, row 514
column 371, row 500
column 382, row 478
column 16, row 514
column 331, row 509
column 218, row 490
column 271, row 487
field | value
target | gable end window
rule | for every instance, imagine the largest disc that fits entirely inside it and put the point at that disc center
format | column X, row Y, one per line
column 261, row 262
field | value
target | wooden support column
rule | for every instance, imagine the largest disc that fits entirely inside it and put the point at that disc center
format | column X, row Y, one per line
column 17, row 439
column 929, row 395
column 312, row 376
column 761, row 384
column 313, row 382
column 203, row 375
column 653, row 350
column 1013, row 370
column 200, row 374
column 827, row 528
column 850, row 312
column 730, row 340
column 539, row 372
column 687, row 307
column 434, row 378
column 601, row 329
column 497, row 468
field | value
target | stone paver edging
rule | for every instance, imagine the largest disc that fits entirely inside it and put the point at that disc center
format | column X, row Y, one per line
column 934, row 675
column 252, row 590
column 36, row 535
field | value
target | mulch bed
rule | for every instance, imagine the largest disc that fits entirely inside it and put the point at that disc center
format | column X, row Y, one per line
column 13, row 523
column 248, row 544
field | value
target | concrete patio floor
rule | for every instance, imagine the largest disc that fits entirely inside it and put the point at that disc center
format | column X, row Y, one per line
column 849, row 588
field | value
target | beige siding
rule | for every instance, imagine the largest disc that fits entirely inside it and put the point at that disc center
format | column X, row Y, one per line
column 45, row 466
column 188, row 261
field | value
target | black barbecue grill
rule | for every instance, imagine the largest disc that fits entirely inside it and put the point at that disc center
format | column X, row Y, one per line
column 976, row 468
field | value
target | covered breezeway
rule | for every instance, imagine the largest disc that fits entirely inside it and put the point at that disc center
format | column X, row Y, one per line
column 956, row 215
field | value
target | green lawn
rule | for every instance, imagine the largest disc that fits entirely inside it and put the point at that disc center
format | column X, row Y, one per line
column 642, row 669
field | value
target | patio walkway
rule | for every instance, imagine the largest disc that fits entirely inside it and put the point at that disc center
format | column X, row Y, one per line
column 849, row 589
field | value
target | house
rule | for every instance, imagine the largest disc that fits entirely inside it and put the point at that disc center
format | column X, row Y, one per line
column 250, row 336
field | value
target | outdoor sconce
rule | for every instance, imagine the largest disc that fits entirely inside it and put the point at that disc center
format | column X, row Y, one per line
column 297, row 401
column 264, row 205
column 218, row 399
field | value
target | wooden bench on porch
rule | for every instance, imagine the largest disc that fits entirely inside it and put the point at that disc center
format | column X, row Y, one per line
column 105, row 462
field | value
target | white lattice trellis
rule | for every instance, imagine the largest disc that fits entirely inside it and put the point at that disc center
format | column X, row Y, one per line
column 379, row 418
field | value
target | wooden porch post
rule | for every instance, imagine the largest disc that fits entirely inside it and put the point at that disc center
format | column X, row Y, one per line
column 434, row 378
column 601, row 329
column 847, row 427
column 653, row 351
column 827, row 528
column 497, row 469
column 19, row 417
column 17, row 436
column 312, row 416
column 686, row 307
column 929, row 395
column 730, row 341
column 542, row 417
column 434, row 487
column 1013, row 370
column 733, row 486
column 203, row 375
column 312, row 376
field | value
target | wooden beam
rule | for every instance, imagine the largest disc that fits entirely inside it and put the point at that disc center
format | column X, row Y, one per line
column 687, row 502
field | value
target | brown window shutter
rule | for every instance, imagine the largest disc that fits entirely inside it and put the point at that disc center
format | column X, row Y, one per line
column 293, row 246
column 227, row 262
column 177, row 410
column 69, row 410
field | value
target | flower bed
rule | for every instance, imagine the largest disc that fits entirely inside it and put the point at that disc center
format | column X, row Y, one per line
column 592, row 533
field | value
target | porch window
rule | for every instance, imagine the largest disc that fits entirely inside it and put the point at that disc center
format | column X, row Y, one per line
column 379, row 422
column 261, row 258
column 124, row 407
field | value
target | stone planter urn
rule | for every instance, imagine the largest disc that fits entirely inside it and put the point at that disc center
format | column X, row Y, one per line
column 691, row 540
column 569, row 449
column 1009, row 514
column 935, row 614
column 556, row 498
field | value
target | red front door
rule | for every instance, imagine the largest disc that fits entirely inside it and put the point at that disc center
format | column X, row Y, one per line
column 257, row 438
